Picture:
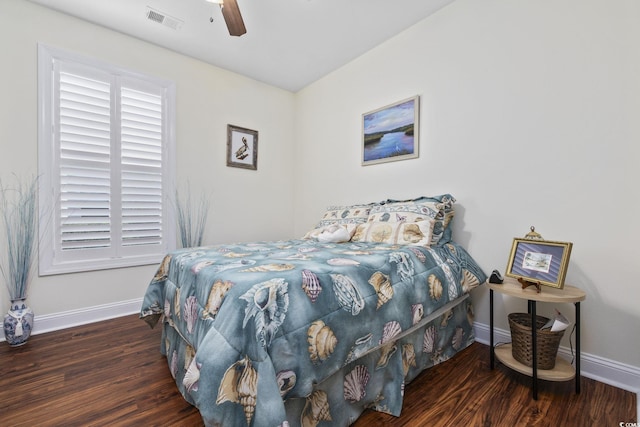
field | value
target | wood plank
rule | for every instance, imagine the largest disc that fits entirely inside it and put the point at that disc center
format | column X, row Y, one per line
column 513, row 288
column 112, row 373
column 562, row 371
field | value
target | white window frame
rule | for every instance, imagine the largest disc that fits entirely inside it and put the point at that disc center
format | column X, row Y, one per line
column 52, row 258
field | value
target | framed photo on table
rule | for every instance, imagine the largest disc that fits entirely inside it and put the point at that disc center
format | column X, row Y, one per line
column 242, row 147
column 539, row 261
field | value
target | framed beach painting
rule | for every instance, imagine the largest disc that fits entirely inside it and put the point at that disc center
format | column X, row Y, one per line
column 390, row 133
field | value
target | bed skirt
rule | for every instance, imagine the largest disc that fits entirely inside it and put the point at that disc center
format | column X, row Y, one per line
column 376, row 379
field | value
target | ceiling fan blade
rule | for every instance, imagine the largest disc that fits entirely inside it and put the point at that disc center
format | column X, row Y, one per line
column 233, row 18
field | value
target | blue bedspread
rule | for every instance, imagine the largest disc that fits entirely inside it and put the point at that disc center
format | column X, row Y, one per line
column 264, row 323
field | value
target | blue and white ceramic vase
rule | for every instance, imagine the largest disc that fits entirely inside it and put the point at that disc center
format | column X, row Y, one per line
column 18, row 323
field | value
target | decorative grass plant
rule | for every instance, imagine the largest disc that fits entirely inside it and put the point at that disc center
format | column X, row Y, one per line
column 192, row 218
column 19, row 218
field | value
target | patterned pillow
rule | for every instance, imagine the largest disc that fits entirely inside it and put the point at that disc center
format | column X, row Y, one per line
column 348, row 216
column 438, row 209
column 401, row 233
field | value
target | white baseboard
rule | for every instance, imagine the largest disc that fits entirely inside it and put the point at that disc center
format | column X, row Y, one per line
column 607, row 371
column 71, row 318
column 598, row 368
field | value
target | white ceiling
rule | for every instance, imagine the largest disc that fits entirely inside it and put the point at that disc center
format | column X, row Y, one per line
column 288, row 44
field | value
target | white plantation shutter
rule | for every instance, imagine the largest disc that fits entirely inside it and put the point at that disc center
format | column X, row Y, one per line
column 106, row 149
column 84, row 132
column 141, row 135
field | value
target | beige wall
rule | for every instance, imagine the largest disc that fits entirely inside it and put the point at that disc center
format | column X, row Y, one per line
column 530, row 116
column 208, row 98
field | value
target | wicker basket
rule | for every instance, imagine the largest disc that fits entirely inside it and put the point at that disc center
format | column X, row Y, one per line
column 521, row 346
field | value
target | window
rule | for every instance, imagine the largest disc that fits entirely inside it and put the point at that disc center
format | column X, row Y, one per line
column 106, row 145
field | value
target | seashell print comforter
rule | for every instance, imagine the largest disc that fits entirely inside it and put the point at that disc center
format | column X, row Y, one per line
column 305, row 333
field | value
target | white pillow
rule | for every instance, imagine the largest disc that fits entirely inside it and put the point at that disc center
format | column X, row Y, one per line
column 334, row 234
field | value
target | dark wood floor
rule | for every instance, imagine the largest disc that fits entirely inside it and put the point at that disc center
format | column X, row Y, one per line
column 112, row 374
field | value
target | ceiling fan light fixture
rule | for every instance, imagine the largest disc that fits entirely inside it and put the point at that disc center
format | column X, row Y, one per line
column 233, row 18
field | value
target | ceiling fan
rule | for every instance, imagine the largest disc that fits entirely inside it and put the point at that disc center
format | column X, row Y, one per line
column 232, row 16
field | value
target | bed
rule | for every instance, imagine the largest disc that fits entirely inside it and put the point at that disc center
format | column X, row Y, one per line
column 313, row 331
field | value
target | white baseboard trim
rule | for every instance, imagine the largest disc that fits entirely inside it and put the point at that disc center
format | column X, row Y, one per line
column 607, row 371
column 68, row 319
column 626, row 377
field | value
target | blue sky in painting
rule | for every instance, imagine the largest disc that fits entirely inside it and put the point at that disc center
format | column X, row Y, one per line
column 389, row 118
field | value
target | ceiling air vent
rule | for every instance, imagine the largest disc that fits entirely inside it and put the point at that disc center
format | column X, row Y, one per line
column 164, row 19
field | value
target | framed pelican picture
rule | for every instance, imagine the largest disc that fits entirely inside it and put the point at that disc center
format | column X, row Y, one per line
column 242, row 147
column 391, row 133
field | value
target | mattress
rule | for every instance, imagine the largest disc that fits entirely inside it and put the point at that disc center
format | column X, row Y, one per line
column 300, row 332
